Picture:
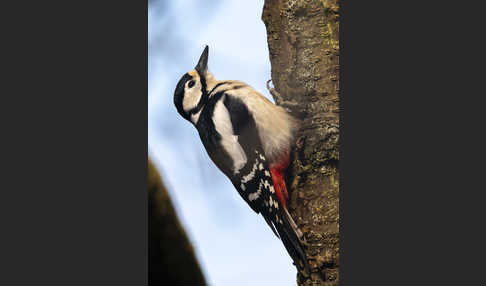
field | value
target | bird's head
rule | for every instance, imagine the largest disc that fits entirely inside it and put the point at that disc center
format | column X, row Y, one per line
column 191, row 93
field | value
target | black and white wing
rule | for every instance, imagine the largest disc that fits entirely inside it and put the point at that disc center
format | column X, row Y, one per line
column 254, row 181
column 236, row 149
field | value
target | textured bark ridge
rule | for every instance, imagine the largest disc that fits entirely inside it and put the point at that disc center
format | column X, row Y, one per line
column 303, row 39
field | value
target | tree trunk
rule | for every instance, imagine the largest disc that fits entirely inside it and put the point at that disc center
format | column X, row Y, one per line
column 303, row 39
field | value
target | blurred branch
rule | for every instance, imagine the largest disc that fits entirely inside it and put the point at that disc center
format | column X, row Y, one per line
column 171, row 256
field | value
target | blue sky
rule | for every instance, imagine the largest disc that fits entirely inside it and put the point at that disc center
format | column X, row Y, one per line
column 233, row 244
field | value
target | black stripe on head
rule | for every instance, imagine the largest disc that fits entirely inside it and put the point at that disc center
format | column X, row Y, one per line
column 179, row 95
column 218, row 85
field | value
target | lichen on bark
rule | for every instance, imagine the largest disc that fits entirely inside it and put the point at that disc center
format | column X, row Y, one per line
column 303, row 40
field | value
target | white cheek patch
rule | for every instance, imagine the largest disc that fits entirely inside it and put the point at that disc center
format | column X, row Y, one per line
column 229, row 141
column 192, row 96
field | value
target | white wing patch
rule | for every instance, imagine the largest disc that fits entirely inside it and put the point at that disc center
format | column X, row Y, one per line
column 222, row 123
column 275, row 125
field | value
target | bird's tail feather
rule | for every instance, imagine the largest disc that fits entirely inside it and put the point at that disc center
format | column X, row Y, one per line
column 291, row 238
column 270, row 224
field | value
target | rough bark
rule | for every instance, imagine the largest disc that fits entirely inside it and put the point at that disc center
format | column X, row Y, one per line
column 171, row 256
column 304, row 52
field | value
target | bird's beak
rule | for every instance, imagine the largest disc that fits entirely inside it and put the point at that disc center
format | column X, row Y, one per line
column 202, row 65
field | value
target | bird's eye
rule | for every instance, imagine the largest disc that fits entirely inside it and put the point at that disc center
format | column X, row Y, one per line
column 191, row 83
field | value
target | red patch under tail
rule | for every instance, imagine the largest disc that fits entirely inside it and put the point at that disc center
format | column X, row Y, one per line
column 278, row 177
column 287, row 229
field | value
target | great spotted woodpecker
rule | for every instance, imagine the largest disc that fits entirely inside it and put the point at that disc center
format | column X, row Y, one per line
column 249, row 139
